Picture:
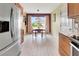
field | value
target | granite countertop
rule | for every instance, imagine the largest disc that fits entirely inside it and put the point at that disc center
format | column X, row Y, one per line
column 69, row 34
column 65, row 31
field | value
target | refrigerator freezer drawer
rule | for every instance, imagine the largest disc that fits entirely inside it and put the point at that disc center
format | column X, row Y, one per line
column 5, row 39
column 13, row 50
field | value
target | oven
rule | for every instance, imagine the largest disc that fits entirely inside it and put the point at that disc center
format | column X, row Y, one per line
column 74, row 49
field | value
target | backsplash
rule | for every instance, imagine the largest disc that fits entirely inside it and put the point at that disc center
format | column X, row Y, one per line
column 76, row 26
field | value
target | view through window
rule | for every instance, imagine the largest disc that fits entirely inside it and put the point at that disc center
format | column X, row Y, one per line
column 38, row 22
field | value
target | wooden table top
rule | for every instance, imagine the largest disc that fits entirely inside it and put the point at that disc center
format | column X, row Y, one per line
column 38, row 30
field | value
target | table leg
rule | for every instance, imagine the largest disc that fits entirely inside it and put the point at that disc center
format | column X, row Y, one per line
column 42, row 34
column 35, row 34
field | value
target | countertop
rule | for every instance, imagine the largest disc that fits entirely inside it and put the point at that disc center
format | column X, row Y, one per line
column 66, row 31
column 69, row 33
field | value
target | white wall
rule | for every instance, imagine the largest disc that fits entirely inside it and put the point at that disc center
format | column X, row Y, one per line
column 55, row 26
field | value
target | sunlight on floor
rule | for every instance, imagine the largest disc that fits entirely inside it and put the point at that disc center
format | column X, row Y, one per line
column 39, row 46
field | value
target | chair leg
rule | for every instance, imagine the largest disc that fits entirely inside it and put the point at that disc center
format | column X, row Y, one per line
column 42, row 35
column 32, row 35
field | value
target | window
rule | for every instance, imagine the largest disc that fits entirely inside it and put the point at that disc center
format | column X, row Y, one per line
column 38, row 22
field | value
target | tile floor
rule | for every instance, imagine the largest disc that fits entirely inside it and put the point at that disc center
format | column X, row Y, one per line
column 45, row 46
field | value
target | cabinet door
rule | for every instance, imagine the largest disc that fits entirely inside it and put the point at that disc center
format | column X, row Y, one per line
column 16, row 18
column 76, row 9
column 64, row 46
column 71, row 10
column 5, row 38
column 62, row 53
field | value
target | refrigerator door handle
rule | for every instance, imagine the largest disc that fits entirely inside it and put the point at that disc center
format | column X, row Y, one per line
column 11, row 23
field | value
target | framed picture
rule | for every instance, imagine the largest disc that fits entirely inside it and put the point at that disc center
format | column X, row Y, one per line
column 54, row 17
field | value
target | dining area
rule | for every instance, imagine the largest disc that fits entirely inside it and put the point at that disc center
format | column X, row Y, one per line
column 36, row 32
column 38, row 35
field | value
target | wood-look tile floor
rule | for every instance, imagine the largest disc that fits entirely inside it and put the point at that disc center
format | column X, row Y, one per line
column 39, row 46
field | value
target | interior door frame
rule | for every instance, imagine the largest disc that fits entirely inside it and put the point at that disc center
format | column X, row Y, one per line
column 41, row 14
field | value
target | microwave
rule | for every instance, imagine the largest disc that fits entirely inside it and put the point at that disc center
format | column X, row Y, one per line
column 4, row 26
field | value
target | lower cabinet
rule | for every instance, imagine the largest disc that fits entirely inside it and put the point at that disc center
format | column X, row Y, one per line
column 64, row 45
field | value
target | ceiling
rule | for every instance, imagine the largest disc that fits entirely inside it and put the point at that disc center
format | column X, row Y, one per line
column 43, row 7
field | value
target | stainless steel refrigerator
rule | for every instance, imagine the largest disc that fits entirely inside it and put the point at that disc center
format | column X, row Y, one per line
column 9, row 45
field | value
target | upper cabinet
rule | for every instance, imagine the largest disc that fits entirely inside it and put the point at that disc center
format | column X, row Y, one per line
column 76, row 8
column 73, row 10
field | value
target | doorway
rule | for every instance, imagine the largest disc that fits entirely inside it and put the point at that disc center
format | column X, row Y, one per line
column 39, row 21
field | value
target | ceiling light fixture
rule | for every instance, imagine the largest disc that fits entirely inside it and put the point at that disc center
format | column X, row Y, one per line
column 37, row 10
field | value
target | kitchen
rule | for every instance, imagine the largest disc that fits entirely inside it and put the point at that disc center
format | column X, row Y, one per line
column 69, row 30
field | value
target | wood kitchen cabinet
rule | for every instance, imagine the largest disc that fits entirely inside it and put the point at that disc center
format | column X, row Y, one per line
column 64, row 45
column 73, row 10
column 76, row 8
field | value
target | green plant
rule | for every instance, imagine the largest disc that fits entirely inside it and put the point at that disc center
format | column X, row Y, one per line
column 37, row 25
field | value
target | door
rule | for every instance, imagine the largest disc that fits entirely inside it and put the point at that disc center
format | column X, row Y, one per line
column 39, row 21
column 5, row 38
column 14, row 23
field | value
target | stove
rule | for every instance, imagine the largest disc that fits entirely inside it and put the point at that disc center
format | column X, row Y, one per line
column 75, row 49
